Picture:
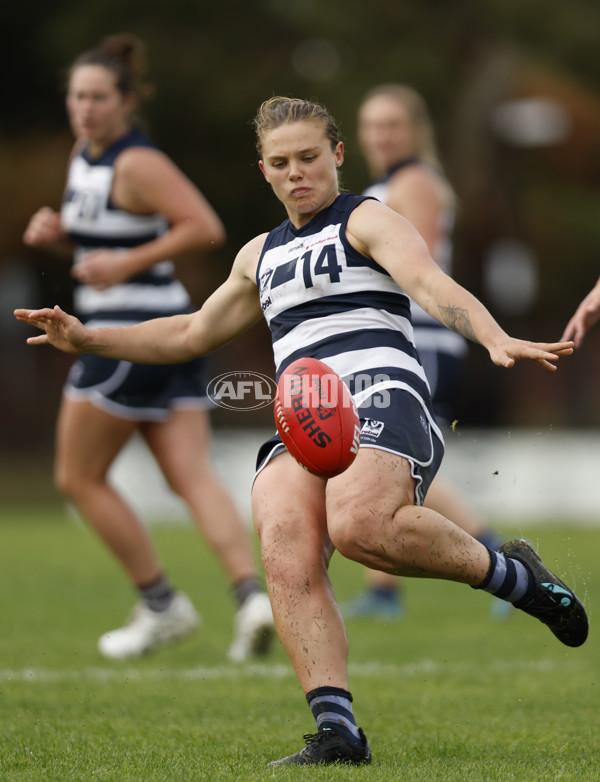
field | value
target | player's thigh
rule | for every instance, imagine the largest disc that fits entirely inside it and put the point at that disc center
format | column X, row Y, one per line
column 365, row 497
column 288, row 508
column 87, row 440
column 181, row 445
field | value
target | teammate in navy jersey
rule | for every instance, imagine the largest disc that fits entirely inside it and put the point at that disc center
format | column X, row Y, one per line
column 333, row 281
column 127, row 210
column 397, row 139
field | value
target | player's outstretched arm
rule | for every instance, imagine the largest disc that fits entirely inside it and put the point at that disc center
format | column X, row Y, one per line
column 140, row 343
column 394, row 243
column 586, row 316
column 465, row 314
column 231, row 309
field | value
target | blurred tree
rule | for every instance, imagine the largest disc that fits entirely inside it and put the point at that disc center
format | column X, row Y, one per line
column 213, row 63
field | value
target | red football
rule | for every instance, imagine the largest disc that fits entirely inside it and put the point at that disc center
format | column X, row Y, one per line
column 316, row 417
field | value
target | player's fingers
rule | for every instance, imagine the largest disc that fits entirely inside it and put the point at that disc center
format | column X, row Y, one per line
column 28, row 320
column 550, row 352
column 569, row 332
column 553, row 347
column 21, row 314
column 576, row 332
column 43, row 314
column 544, row 355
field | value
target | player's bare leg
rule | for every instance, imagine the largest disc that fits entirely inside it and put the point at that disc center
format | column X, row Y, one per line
column 87, row 442
column 372, row 519
column 182, row 449
column 289, row 511
column 384, row 596
column 181, row 446
column 288, row 506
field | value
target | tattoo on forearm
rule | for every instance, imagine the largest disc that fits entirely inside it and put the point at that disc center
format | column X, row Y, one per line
column 457, row 319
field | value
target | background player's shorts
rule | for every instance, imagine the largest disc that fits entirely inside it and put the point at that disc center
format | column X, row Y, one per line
column 395, row 421
column 444, row 370
column 139, row 392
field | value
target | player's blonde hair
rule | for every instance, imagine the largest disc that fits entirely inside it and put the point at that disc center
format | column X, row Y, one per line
column 425, row 143
column 280, row 110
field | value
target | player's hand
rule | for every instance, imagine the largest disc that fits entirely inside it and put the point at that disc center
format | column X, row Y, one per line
column 44, row 228
column 546, row 354
column 102, row 268
column 63, row 331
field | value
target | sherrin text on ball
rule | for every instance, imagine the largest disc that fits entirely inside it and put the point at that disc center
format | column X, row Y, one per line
column 316, row 417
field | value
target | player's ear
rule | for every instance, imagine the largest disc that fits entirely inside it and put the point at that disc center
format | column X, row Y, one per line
column 261, row 165
column 339, row 154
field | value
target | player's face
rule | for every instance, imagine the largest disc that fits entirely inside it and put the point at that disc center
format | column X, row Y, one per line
column 301, row 167
column 385, row 132
column 98, row 111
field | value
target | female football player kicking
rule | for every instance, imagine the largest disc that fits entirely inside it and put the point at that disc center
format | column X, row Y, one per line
column 332, row 282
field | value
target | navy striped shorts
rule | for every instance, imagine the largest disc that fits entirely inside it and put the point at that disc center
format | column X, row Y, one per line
column 140, row 392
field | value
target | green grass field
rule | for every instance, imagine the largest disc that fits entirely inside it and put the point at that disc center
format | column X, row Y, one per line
column 445, row 694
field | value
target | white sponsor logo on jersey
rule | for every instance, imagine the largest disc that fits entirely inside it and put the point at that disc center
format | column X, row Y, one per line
column 372, row 428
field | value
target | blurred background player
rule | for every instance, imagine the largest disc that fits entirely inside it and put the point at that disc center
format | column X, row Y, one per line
column 128, row 210
column 397, row 140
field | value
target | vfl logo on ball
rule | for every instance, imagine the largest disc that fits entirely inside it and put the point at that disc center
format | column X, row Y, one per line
column 242, row 390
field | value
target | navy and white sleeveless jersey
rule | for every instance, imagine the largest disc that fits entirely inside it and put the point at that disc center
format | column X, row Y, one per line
column 131, row 391
column 93, row 222
column 322, row 298
column 430, row 334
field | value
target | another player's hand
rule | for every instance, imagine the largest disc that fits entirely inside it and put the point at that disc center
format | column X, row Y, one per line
column 63, row 331
column 586, row 316
column 102, row 268
column 546, row 354
column 44, row 228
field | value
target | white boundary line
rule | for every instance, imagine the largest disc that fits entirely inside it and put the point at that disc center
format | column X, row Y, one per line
column 368, row 669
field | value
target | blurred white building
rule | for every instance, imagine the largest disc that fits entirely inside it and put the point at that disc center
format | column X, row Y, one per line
column 512, row 476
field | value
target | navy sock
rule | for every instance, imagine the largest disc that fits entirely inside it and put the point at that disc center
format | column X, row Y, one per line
column 158, row 595
column 390, row 594
column 243, row 589
column 507, row 578
column 332, row 709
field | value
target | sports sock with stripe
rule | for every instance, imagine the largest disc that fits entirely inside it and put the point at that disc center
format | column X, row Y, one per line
column 332, row 709
column 507, row 578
